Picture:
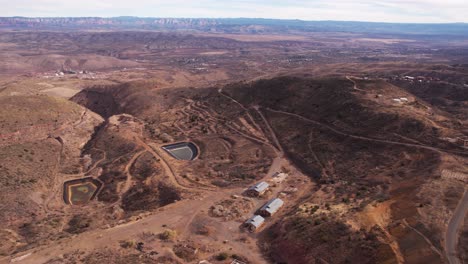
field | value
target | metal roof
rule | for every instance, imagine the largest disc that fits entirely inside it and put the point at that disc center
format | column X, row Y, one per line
column 260, row 187
column 273, row 205
column 255, row 220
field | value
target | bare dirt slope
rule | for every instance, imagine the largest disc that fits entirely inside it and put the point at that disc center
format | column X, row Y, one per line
column 360, row 147
column 364, row 172
column 41, row 141
column 385, row 153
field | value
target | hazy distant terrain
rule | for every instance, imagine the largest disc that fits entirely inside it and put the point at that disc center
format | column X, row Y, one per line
column 234, row 25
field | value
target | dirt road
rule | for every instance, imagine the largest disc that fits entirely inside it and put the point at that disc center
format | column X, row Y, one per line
column 176, row 216
column 451, row 236
column 220, row 91
column 367, row 138
column 129, row 180
column 272, row 132
column 354, row 84
column 167, row 168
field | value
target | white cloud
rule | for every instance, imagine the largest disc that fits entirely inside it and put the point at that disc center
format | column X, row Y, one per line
column 363, row 10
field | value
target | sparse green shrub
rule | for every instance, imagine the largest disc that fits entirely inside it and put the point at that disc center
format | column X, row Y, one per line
column 127, row 243
column 168, row 235
column 314, row 209
column 185, row 252
column 78, row 224
column 222, row 256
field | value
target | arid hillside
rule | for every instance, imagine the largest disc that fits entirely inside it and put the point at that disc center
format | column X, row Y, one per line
column 376, row 163
column 40, row 147
column 365, row 154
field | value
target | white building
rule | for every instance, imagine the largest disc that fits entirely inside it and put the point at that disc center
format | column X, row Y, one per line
column 254, row 223
column 271, row 207
column 257, row 189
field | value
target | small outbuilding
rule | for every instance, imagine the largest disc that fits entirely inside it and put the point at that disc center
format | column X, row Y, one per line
column 279, row 177
column 254, row 223
column 271, row 207
column 257, row 189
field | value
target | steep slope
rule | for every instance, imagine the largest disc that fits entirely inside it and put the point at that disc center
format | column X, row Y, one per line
column 41, row 141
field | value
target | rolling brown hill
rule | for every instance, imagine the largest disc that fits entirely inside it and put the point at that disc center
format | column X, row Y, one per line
column 365, row 153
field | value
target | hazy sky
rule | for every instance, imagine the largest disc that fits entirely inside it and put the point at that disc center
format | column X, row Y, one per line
column 356, row 10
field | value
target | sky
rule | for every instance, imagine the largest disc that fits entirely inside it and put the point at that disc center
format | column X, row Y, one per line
column 418, row 11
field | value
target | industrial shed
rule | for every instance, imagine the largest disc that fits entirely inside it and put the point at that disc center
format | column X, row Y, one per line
column 254, row 223
column 271, row 207
column 257, row 189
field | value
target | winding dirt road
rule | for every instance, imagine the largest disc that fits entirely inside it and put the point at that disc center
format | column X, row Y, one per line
column 451, row 236
column 129, row 181
column 167, row 168
column 458, row 217
column 177, row 216
column 354, row 84
column 270, row 129
column 174, row 214
column 367, row 138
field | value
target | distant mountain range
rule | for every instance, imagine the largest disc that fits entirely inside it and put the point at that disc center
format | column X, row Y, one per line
column 229, row 25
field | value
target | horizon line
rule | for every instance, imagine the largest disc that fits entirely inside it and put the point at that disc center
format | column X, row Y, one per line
column 253, row 18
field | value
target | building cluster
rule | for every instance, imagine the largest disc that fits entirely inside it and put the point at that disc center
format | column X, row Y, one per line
column 400, row 100
column 269, row 208
column 419, row 79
